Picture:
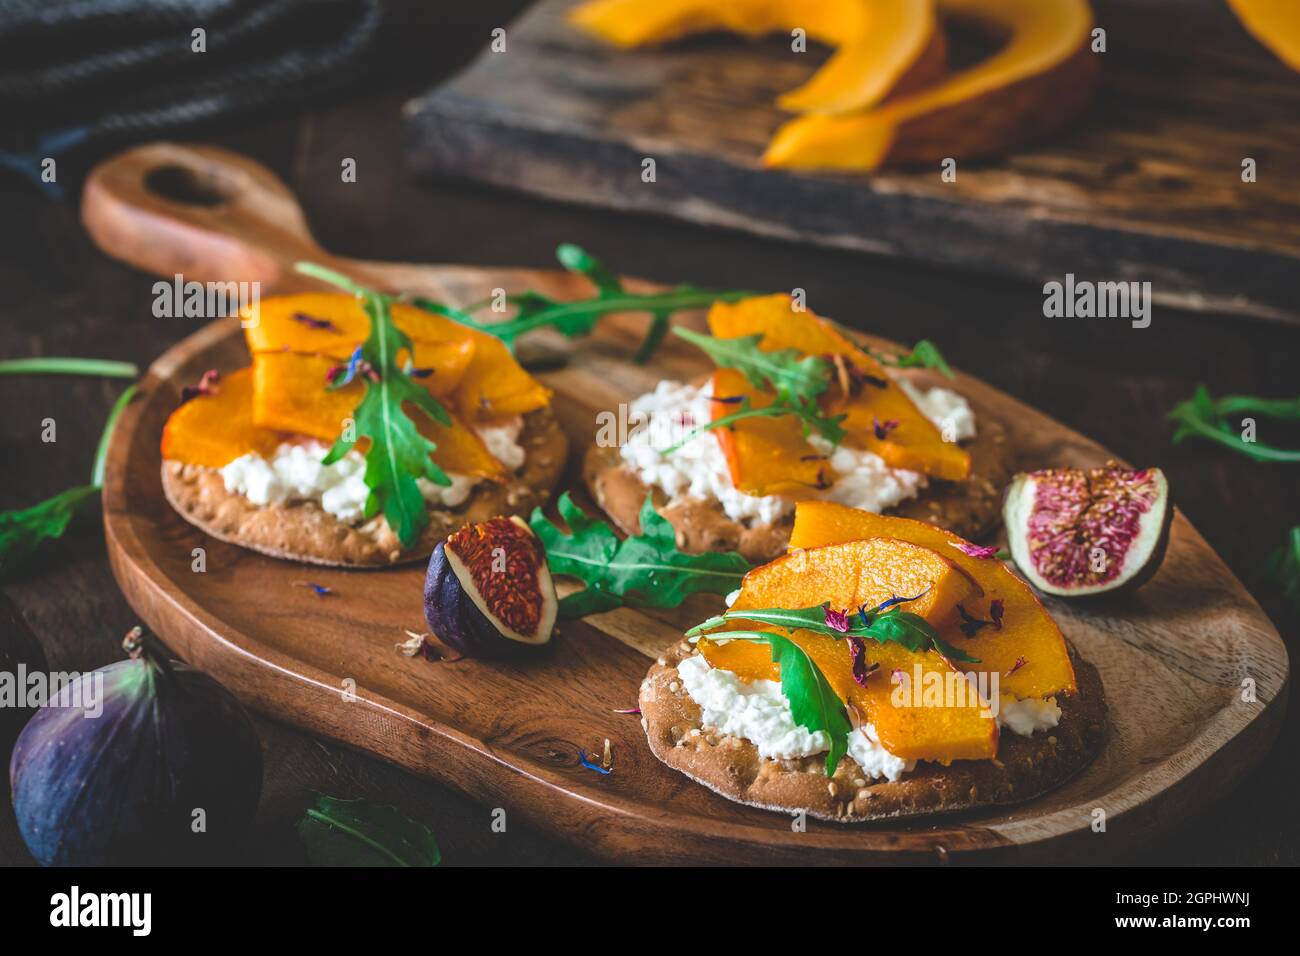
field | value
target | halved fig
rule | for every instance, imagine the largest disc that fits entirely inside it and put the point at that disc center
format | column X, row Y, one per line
column 489, row 590
column 1075, row 533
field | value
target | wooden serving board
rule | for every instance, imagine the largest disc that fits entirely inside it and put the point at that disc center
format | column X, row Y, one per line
column 1173, row 655
column 1146, row 186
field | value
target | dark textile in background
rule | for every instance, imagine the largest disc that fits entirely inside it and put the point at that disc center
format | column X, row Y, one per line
column 83, row 71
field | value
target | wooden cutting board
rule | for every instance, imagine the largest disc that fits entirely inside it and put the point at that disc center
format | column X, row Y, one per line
column 1173, row 655
column 1146, row 186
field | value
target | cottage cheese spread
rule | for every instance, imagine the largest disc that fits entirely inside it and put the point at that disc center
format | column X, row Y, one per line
column 1028, row 716
column 699, row 470
column 295, row 473
column 758, row 712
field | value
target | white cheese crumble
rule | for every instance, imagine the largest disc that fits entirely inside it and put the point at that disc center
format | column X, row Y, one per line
column 1028, row 716
column 296, row 473
column 759, row 712
column 698, row 469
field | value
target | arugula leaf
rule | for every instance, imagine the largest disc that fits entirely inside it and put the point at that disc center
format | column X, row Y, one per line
column 1283, row 567
column 796, row 379
column 924, row 354
column 645, row 570
column 55, row 365
column 23, row 531
column 892, row 625
column 785, row 371
column 398, row 454
column 1202, row 416
column 813, row 703
column 533, row 310
column 913, row 632
column 360, row 833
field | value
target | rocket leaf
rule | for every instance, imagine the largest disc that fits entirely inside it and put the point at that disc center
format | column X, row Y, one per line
column 645, row 570
column 787, row 372
column 1283, row 567
column 22, row 532
column 796, row 379
column 360, row 833
column 533, row 310
column 398, row 453
column 1203, row 416
column 924, row 354
column 813, row 703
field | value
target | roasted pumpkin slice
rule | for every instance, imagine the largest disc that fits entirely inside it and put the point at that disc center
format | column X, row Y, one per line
column 460, row 449
column 766, row 456
column 334, row 324
column 911, row 440
column 1042, row 75
column 883, row 46
column 495, row 385
column 955, row 726
column 290, row 391
column 1274, row 23
column 861, row 572
column 1028, row 651
column 489, row 382
column 213, row 430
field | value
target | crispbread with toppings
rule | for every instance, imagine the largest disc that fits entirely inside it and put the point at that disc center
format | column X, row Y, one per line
column 303, row 531
column 969, row 508
column 731, row 766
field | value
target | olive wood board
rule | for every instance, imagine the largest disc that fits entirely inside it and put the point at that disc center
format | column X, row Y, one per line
column 1144, row 186
column 1173, row 655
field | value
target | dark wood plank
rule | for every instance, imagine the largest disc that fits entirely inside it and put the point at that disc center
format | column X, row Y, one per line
column 1146, row 186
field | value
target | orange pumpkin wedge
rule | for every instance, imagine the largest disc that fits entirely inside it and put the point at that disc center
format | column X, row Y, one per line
column 1041, row 76
column 914, row 443
column 765, row 456
column 884, row 47
column 213, row 430
column 868, row 572
column 1274, row 23
column 290, row 392
column 492, row 384
column 1028, row 631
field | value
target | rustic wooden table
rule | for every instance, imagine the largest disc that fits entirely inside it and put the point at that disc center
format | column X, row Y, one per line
column 1101, row 377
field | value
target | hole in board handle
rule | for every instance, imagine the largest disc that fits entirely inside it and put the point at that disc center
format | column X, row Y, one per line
column 186, row 185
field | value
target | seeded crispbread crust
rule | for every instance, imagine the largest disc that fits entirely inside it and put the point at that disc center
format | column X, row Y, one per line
column 730, row 766
column 970, row 508
column 303, row 531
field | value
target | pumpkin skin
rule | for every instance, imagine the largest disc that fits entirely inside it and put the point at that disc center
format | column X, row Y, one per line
column 1028, row 631
column 883, row 47
column 868, row 572
column 1043, row 75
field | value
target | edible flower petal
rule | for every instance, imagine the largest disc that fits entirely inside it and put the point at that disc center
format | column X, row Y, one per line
column 974, row 550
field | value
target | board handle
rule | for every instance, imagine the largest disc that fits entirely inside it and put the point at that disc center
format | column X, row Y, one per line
column 203, row 212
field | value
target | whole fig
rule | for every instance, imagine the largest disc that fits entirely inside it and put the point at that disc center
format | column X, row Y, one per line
column 143, row 762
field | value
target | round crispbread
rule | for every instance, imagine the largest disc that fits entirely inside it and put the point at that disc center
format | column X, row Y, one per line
column 970, row 508
column 303, row 531
column 730, row 766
